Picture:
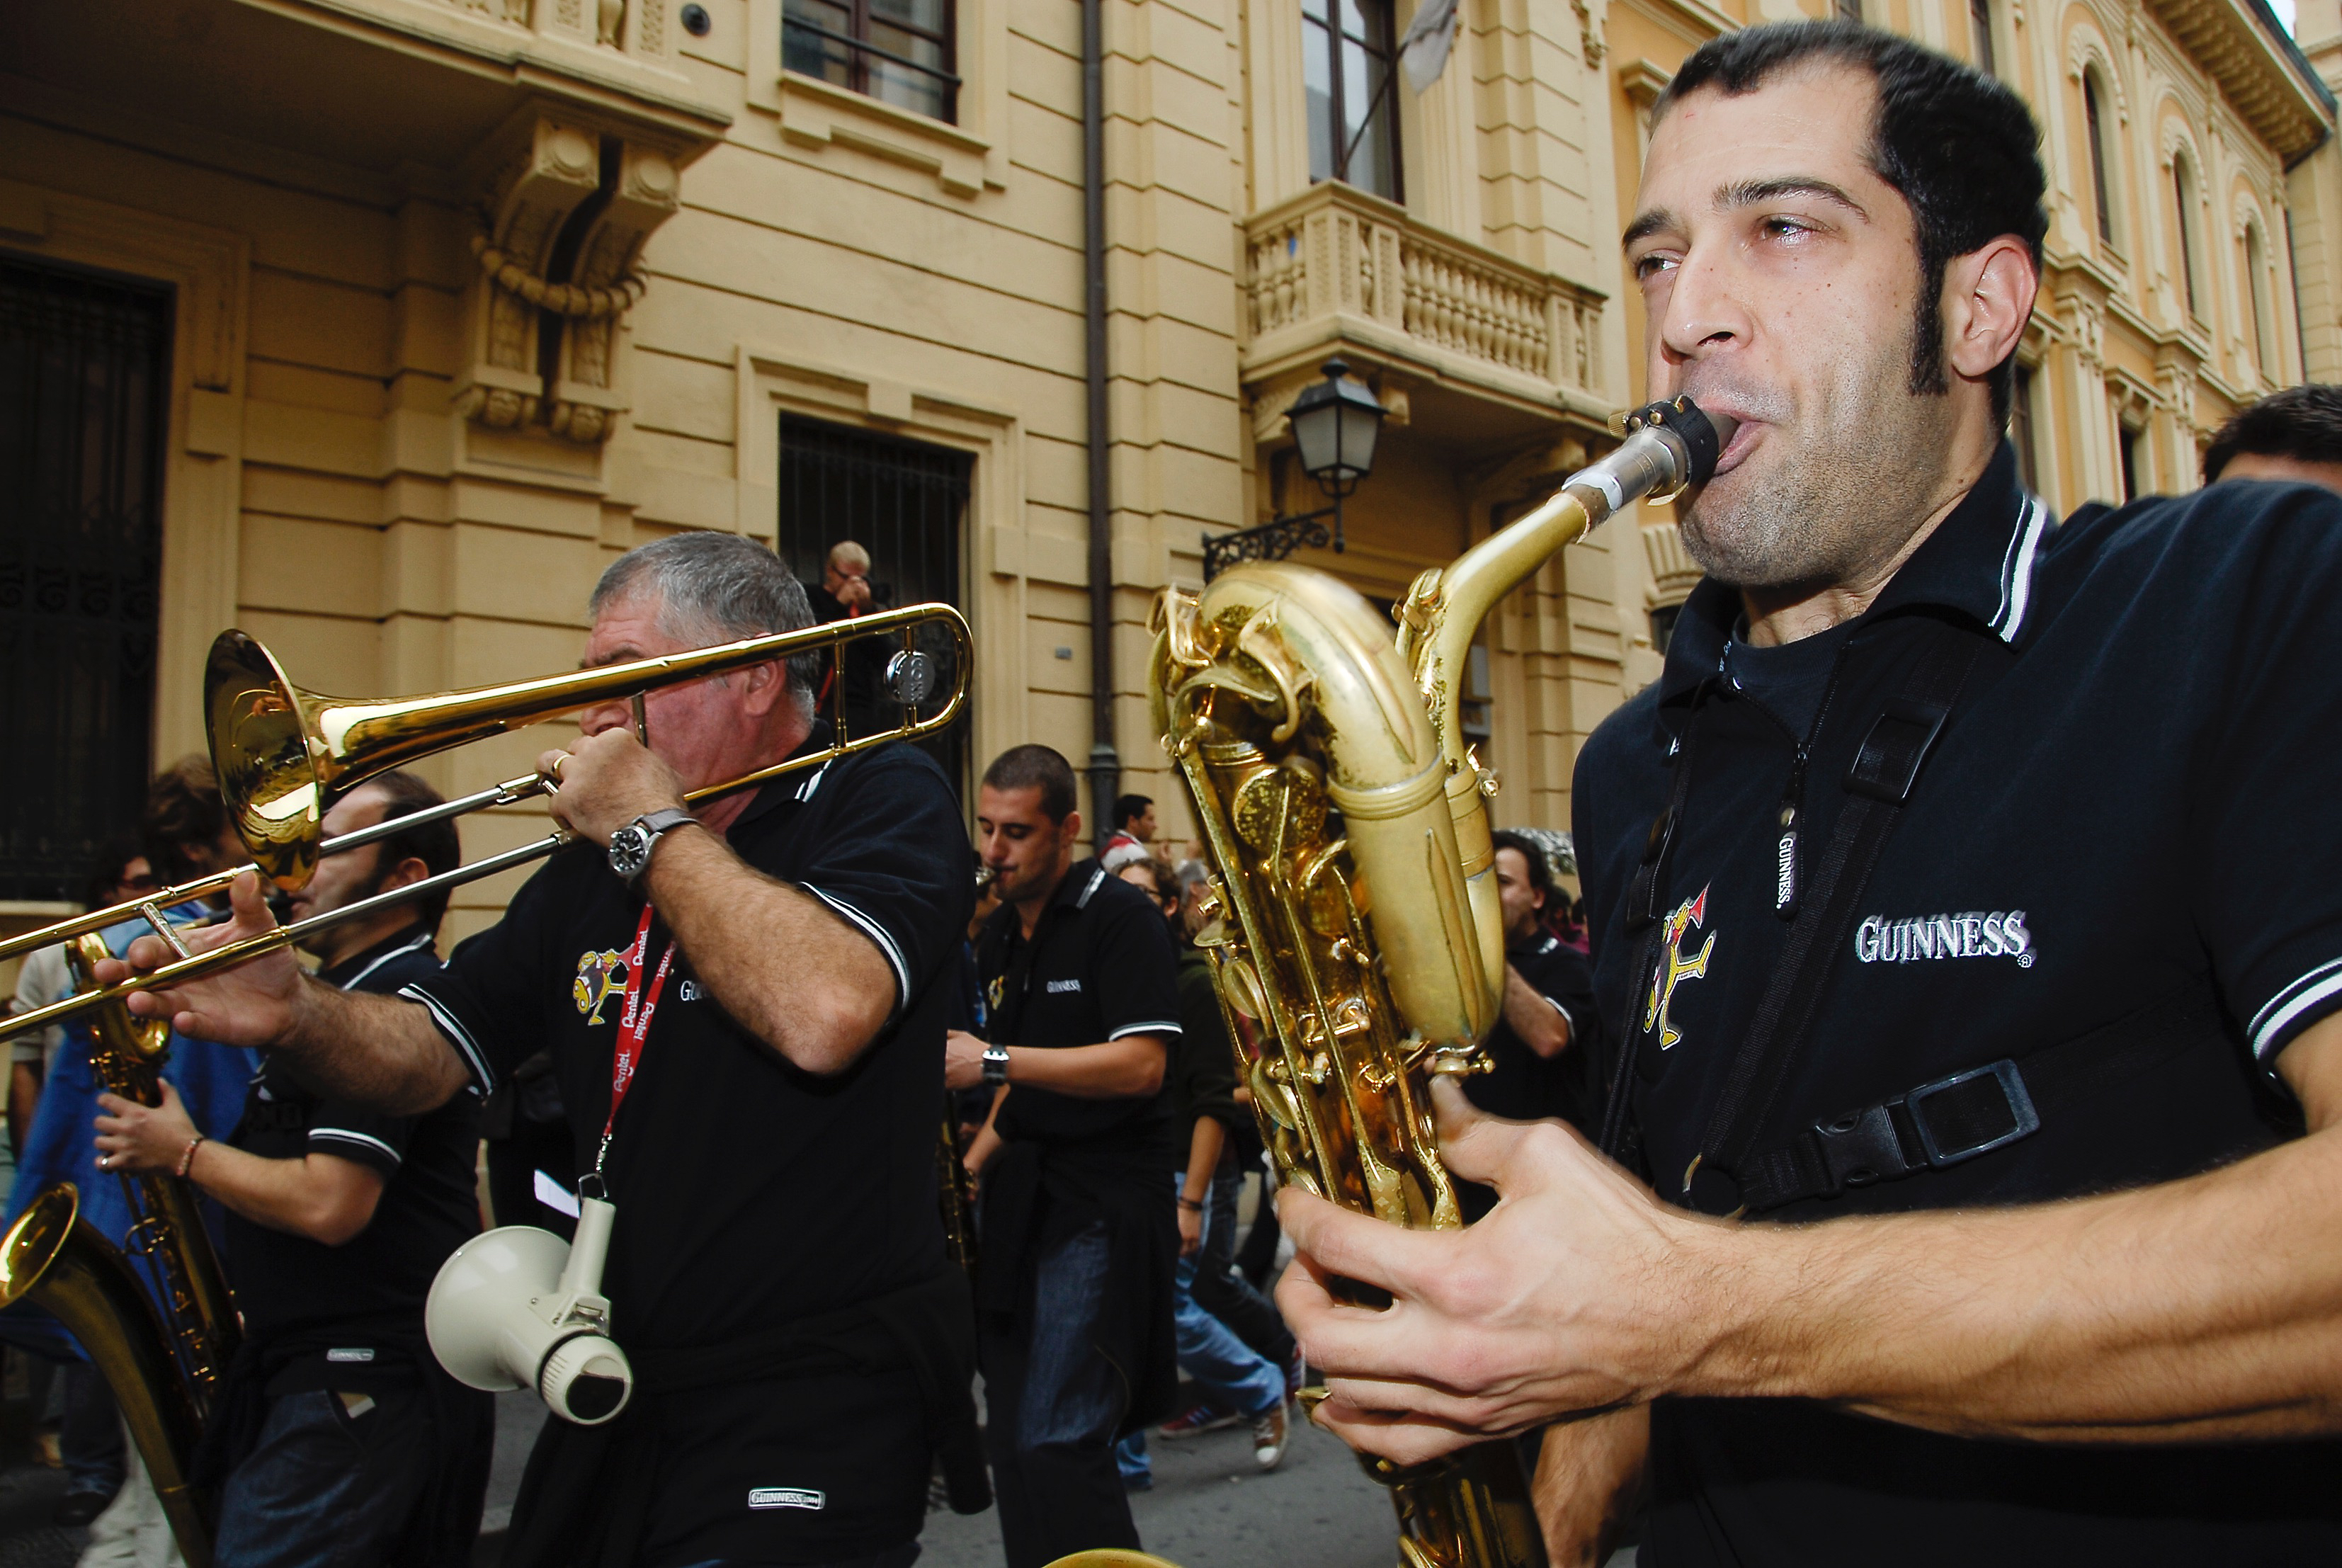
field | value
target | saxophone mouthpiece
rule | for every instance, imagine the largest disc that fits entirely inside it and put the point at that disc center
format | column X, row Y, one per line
column 1703, row 435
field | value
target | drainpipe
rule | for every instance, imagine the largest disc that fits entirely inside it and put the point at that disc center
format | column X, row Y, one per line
column 1106, row 764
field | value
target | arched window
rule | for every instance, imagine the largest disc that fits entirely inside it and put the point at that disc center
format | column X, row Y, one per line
column 2256, row 299
column 2098, row 186
column 2183, row 182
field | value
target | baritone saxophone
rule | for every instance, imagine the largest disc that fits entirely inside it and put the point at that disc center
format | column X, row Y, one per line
column 1356, row 930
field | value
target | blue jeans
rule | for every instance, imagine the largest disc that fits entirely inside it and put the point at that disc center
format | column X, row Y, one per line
column 1226, row 1368
column 323, row 1488
column 1053, row 1400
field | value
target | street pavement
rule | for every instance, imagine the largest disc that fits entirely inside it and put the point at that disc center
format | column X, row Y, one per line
column 1211, row 1506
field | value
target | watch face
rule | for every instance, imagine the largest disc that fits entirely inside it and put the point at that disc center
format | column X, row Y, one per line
column 630, row 851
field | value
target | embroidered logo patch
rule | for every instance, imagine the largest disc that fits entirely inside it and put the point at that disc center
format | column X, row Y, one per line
column 358, row 1355
column 1674, row 968
column 787, row 1497
column 1999, row 934
column 600, row 976
column 691, row 991
column 1060, row 987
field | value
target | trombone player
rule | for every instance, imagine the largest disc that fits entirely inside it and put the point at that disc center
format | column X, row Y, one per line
column 745, row 1009
column 335, row 1438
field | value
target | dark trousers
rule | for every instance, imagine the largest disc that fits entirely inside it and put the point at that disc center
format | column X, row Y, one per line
column 89, row 1441
column 1053, row 1403
column 1257, row 1256
column 1226, row 1295
column 327, row 1489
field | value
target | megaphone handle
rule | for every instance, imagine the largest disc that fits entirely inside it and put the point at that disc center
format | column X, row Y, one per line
column 582, row 1274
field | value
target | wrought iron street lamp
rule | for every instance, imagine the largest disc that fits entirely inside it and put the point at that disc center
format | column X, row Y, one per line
column 1335, row 424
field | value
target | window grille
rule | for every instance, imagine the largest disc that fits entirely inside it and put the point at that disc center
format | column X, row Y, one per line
column 905, row 503
column 900, row 52
column 83, row 399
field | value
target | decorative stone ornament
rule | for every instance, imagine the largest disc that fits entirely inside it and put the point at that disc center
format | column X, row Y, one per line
column 567, row 212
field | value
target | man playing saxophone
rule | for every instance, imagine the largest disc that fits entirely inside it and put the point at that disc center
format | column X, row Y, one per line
column 1877, row 875
column 337, row 1438
column 745, row 1009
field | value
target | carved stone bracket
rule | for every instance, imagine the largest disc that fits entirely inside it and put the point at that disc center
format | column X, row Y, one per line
column 569, row 208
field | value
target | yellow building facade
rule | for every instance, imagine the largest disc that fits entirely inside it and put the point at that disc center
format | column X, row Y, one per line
column 445, row 303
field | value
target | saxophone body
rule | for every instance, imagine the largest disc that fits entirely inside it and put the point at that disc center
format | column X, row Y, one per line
column 163, row 1366
column 1356, row 926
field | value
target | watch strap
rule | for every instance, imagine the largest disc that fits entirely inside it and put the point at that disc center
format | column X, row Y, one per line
column 656, row 823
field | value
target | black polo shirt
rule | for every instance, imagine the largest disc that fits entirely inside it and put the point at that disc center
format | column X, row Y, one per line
column 750, row 1193
column 2123, row 811
column 287, row 1284
column 1099, row 965
column 1523, row 1084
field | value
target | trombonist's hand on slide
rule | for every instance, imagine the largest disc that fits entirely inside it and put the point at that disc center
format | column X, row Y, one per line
column 1560, row 1300
column 607, row 781
column 254, row 1004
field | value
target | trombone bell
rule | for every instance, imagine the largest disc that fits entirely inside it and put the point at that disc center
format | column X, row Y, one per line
column 262, row 752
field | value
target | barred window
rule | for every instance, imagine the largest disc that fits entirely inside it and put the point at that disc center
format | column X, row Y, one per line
column 905, row 503
column 84, row 398
column 900, row 52
column 1345, row 64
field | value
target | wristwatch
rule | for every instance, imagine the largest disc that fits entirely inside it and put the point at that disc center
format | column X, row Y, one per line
column 630, row 846
column 996, row 1066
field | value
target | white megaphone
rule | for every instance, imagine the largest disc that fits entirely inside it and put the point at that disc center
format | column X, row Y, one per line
column 519, row 1308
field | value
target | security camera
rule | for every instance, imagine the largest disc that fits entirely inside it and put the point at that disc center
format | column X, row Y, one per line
column 521, row 1308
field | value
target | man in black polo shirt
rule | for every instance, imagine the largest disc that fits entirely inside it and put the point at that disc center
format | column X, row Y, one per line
column 1545, row 1046
column 1078, row 1237
column 2043, row 1243
column 777, row 1274
column 338, row 1438
column 1549, row 1024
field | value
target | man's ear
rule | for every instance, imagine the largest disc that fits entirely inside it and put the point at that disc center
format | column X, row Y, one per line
column 1070, row 830
column 762, row 687
column 405, row 873
column 1987, row 299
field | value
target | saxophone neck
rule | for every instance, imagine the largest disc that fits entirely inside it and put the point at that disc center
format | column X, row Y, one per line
column 1669, row 446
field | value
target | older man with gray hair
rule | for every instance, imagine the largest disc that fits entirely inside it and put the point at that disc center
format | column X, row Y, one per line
column 775, row 964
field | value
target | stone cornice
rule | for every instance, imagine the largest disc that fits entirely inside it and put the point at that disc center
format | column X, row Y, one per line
column 2267, row 81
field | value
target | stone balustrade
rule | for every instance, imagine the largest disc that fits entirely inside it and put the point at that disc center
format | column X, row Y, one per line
column 1337, row 263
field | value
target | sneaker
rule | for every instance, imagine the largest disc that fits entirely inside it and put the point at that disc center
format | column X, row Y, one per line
column 1268, row 1438
column 1296, row 1373
column 1202, row 1418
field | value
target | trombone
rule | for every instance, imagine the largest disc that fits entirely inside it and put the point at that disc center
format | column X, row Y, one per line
column 285, row 754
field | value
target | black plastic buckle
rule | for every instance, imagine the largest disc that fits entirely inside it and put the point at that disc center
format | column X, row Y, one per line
column 2024, row 1120
column 1861, row 1147
column 1888, row 762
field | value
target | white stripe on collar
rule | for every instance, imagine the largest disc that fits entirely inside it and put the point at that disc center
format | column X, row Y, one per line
column 1096, row 878
column 420, row 942
column 804, row 790
column 2016, row 569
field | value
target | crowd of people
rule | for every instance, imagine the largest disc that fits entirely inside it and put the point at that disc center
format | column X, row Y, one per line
column 736, row 1024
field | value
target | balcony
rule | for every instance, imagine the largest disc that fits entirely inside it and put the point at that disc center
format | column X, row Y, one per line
column 388, row 87
column 1475, row 344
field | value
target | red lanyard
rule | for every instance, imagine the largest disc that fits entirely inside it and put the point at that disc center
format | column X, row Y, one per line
column 633, row 1022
